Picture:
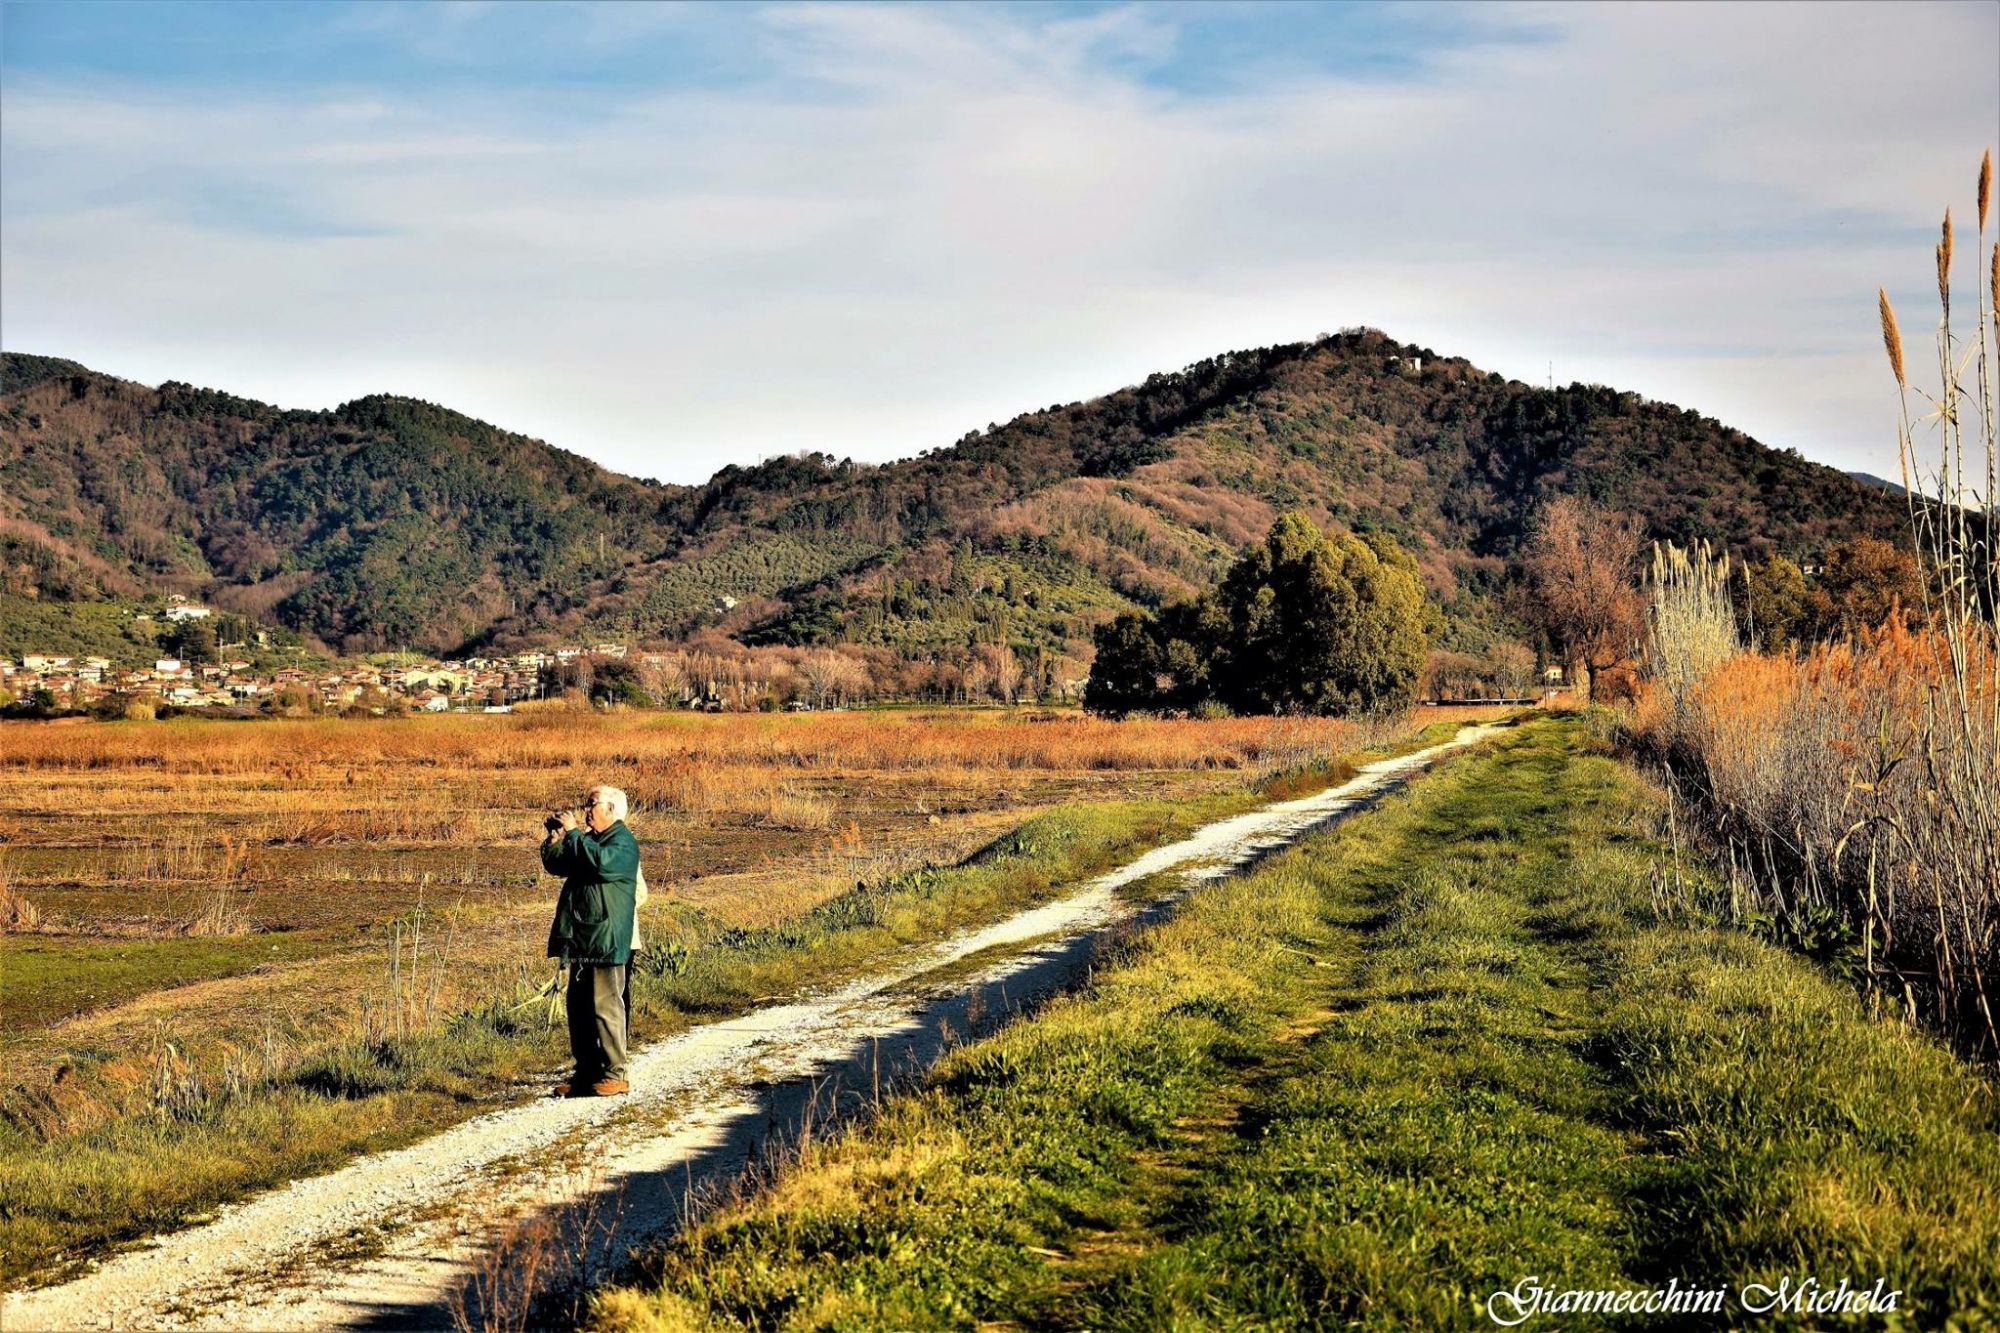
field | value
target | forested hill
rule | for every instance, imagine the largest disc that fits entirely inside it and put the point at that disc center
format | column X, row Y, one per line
column 394, row 522
column 384, row 522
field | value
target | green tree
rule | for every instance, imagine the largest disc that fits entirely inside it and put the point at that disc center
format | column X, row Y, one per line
column 616, row 680
column 1778, row 608
column 1127, row 675
column 194, row 642
column 1321, row 624
column 1305, row 623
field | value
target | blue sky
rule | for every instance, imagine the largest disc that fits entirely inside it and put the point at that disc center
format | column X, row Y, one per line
column 674, row 237
column 562, row 47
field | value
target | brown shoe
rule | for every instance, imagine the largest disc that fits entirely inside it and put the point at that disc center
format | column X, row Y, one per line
column 609, row 1087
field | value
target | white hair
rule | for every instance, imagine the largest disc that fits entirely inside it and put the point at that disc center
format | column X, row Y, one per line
column 613, row 797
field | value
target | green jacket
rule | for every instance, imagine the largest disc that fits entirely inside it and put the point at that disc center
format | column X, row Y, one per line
column 595, row 909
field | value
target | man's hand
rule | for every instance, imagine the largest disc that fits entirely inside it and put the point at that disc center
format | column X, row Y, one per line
column 568, row 818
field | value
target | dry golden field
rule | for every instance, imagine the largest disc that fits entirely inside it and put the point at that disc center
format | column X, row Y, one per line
column 229, row 886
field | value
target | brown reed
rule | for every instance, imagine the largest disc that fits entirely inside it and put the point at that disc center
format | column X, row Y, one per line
column 1857, row 786
column 1944, row 263
column 1892, row 337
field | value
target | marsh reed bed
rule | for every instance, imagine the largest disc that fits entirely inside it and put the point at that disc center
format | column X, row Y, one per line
column 1855, row 785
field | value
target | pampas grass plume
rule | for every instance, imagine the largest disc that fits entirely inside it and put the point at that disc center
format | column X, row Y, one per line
column 1944, row 261
column 1892, row 338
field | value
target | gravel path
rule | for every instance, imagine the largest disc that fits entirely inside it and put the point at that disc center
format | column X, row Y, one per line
column 387, row 1241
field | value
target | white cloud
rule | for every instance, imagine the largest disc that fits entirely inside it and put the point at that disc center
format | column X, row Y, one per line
column 938, row 217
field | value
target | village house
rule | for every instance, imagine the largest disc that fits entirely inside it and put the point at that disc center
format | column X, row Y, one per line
column 432, row 678
column 481, row 683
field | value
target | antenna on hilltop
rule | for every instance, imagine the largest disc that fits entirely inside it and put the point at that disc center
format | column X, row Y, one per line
column 1552, row 377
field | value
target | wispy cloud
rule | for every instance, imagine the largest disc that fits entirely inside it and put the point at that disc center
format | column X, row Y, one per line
column 890, row 224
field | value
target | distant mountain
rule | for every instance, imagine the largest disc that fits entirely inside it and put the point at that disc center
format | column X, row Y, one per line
column 1879, row 483
column 392, row 522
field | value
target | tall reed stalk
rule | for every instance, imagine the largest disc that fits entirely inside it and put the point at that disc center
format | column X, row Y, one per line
column 1954, row 504
column 1855, row 787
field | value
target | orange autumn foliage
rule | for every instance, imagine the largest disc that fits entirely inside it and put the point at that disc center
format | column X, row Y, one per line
column 1822, row 771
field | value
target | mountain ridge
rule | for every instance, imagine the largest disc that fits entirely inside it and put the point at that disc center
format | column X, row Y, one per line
column 393, row 521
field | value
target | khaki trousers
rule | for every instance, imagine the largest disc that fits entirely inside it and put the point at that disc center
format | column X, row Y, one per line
column 595, row 1006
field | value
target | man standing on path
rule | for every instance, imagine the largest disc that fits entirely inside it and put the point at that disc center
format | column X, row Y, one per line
column 592, row 934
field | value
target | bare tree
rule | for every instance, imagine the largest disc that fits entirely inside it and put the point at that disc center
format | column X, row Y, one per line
column 821, row 670
column 1513, row 669
column 1583, row 582
column 666, row 679
column 1004, row 672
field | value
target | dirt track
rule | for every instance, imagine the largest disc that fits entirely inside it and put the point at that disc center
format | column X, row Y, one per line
column 392, row 1240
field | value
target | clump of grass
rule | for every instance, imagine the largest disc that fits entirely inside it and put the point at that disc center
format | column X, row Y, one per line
column 799, row 811
column 18, row 915
column 1690, row 621
column 220, row 913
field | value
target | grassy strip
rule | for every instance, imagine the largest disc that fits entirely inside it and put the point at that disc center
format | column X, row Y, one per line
column 65, row 1197
column 54, row 977
column 1441, row 1049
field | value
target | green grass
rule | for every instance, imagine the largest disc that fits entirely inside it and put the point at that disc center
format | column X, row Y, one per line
column 79, row 1174
column 1429, row 1054
column 53, row 977
column 75, row 629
